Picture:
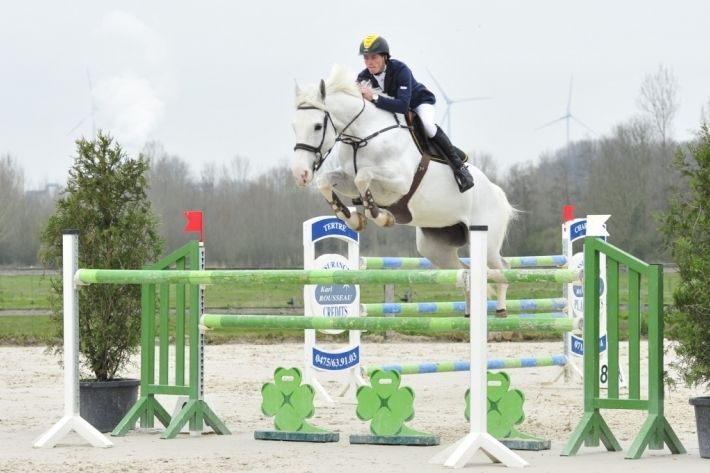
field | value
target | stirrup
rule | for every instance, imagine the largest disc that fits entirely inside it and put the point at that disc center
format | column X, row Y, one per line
column 463, row 179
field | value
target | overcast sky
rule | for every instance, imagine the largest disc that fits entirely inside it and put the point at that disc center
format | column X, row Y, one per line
column 211, row 80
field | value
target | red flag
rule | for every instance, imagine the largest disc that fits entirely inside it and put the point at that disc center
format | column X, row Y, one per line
column 567, row 213
column 194, row 222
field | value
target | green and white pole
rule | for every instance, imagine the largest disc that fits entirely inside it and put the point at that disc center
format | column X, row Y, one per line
column 72, row 419
column 478, row 437
column 315, row 276
column 421, row 324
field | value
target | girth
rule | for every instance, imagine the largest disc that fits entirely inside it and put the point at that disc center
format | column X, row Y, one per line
column 400, row 209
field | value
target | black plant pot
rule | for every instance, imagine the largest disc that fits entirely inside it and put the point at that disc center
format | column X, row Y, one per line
column 702, row 422
column 104, row 403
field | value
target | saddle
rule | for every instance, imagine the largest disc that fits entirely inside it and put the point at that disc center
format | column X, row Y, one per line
column 430, row 151
column 424, row 144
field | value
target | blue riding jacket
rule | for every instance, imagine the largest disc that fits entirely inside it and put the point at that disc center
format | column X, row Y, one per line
column 404, row 91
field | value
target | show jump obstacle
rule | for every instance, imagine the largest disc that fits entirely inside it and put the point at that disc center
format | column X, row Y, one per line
column 457, row 455
column 654, row 434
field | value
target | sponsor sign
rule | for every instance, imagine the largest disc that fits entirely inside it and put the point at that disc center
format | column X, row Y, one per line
column 332, row 300
column 332, row 228
column 336, row 360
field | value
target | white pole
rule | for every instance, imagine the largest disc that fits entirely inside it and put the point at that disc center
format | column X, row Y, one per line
column 72, row 419
column 478, row 329
column 70, row 255
column 458, row 454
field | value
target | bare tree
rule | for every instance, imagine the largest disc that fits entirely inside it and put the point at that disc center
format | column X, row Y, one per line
column 240, row 168
column 486, row 163
column 705, row 113
column 11, row 191
column 658, row 101
column 171, row 192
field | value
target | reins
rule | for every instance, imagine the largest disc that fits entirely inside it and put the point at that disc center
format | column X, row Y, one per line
column 355, row 142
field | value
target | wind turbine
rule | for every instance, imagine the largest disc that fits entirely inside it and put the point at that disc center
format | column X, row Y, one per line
column 568, row 116
column 92, row 114
column 449, row 102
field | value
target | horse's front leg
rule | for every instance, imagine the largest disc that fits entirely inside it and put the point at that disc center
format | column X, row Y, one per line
column 363, row 180
column 326, row 182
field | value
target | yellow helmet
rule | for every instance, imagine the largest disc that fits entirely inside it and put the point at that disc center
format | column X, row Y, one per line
column 374, row 44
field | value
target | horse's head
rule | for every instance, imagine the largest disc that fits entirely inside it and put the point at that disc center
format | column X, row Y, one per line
column 315, row 128
column 315, row 133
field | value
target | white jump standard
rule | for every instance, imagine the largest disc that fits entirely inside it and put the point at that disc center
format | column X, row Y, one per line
column 478, row 437
column 72, row 419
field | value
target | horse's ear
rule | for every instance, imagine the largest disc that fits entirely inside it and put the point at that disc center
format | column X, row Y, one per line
column 297, row 88
column 322, row 89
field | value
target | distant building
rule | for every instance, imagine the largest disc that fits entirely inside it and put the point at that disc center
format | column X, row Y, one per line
column 50, row 192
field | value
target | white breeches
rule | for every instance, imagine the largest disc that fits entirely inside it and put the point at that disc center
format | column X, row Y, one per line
column 427, row 112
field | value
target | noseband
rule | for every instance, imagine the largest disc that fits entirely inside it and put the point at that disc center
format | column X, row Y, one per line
column 317, row 150
column 353, row 141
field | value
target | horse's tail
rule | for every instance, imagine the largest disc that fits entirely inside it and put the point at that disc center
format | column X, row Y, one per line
column 508, row 213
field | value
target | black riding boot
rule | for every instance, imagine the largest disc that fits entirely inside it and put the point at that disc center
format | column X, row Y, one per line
column 463, row 177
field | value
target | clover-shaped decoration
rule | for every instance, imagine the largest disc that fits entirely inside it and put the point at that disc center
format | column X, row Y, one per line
column 289, row 401
column 504, row 407
column 387, row 404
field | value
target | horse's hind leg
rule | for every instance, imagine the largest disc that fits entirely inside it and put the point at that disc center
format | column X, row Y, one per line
column 495, row 261
column 442, row 252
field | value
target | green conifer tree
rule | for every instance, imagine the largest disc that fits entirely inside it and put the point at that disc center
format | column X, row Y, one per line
column 106, row 201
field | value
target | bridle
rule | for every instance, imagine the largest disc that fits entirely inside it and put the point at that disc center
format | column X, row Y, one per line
column 355, row 142
column 317, row 150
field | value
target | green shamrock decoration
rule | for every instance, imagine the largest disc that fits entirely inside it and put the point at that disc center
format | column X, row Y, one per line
column 505, row 407
column 289, row 401
column 387, row 404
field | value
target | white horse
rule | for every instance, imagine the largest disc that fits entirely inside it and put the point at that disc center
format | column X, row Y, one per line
column 378, row 161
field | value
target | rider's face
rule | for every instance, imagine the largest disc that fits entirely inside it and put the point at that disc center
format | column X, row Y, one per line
column 374, row 62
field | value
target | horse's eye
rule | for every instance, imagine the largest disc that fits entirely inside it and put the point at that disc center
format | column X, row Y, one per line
column 319, row 127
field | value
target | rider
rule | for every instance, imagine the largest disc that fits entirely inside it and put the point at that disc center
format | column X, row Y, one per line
column 394, row 78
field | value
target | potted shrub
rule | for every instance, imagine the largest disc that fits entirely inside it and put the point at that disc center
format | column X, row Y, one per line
column 686, row 229
column 105, row 200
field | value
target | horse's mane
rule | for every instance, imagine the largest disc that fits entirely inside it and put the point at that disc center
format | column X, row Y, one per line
column 340, row 79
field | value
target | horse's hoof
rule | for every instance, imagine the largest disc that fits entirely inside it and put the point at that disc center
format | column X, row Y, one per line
column 356, row 222
column 384, row 220
column 501, row 313
column 345, row 217
column 389, row 219
column 361, row 222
